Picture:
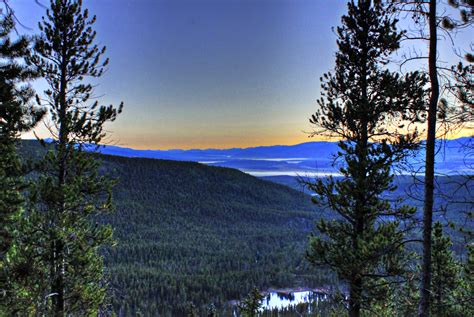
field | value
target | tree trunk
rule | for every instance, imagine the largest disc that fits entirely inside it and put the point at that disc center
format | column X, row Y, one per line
column 354, row 298
column 58, row 280
column 355, row 291
column 424, row 308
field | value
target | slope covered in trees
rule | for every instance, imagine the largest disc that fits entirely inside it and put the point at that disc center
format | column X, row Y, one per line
column 187, row 232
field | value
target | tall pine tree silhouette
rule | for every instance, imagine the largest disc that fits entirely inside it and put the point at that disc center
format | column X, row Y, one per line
column 17, row 115
column 366, row 107
column 435, row 23
column 70, row 190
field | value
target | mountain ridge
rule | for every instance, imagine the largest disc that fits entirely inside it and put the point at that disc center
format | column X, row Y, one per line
column 311, row 158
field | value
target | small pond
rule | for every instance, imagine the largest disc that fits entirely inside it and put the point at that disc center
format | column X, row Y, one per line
column 285, row 299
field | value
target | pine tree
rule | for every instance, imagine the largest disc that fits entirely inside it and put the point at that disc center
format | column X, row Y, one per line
column 17, row 115
column 435, row 24
column 71, row 191
column 366, row 107
column 445, row 277
column 465, row 294
column 405, row 301
column 250, row 306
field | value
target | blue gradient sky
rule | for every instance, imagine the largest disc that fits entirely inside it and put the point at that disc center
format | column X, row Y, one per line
column 210, row 73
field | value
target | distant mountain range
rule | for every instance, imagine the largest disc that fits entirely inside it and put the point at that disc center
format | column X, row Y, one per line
column 305, row 159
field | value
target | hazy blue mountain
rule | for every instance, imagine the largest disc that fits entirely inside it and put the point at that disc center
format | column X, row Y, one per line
column 307, row 159
column 303, row 150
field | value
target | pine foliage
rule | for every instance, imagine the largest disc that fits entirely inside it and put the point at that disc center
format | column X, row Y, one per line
column 17, row 115
column 365, row 106
column 70, row 189
column 251, row 305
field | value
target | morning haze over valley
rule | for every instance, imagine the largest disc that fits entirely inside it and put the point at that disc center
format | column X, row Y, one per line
column 236, row 158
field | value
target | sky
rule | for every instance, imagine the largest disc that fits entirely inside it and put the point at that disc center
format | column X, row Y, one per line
column 209, row 73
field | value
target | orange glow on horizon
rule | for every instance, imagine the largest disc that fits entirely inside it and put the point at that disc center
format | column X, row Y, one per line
column 231, row 139
column 160, row 144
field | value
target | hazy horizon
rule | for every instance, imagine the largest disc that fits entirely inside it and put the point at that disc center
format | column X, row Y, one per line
column 309, row 140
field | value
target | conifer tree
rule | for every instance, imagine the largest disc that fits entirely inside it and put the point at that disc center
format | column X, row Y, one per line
column 17, row 115
column 465, row 295
column 365, row 106
column 406, row 297
column 445, row 277
column 251, row 305
column 71, row 191
column 435, row 24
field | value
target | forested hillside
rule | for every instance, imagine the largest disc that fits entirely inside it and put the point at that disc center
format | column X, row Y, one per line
column 187, row 232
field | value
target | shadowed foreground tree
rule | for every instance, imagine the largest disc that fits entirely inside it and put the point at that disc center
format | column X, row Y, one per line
column 435, row 24
column 445, row 274
column 17, row 115
column 367, row 107
column 70, row 190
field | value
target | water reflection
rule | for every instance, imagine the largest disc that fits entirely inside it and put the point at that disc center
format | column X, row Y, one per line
column 281, row 300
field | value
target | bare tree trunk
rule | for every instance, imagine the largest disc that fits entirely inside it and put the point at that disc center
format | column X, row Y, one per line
column 424, row 308
column 59, row 281
column 354, row 298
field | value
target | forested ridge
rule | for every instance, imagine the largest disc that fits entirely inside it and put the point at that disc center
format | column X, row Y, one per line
column 192, row 235
column 187, row 232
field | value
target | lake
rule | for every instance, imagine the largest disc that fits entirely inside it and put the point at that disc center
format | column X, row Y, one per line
column 285, row 299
